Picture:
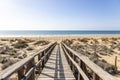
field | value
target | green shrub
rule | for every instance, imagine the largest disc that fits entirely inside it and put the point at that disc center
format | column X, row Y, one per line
column 29, row 48
column 68, row 42
column 83, row 40
column 3, row 60
column 20, row 44
column 41, row 42
column 111, row 69
column 8, row 63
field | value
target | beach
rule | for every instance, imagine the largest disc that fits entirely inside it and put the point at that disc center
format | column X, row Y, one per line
column 14, row 49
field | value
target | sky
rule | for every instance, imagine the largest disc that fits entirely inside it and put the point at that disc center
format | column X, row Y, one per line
column 59, row 14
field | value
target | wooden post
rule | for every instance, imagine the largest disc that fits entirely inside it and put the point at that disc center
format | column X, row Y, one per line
column 95, row 76
column 48, row 51
column 69, row 62
column 115, row 63
column 33, row 74
column 43, row 61
column 39, row 57
column 83, row 67
column 39, row 66
column 21, row 73
column 73, row 68
column 29, row 66
column 79, row 75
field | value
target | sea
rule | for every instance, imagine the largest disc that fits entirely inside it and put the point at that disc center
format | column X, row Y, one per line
column 51, row 33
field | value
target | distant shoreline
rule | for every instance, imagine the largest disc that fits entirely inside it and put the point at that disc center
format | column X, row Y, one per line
column 60, row 38
column 57, row 33
column 79, row 35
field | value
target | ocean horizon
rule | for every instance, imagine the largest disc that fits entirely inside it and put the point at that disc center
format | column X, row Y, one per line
column 49, row 33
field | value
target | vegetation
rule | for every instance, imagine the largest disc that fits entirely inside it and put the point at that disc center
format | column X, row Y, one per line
column 3, row 60
column 41, row 42
column 8, row 63
column 13, row 50
column 30, row 49
column 20, row 44
column 91, row 47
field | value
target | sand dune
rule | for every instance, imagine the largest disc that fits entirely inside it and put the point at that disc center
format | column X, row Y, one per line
column 102, row 49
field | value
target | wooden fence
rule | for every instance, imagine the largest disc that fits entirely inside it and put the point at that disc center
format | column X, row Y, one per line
column 81, row 66
column 27, row 67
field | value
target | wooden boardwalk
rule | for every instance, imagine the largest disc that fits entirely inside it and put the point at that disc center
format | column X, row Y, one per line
column 55, row 62
column 57, row 67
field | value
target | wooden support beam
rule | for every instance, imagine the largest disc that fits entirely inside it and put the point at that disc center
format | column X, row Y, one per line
column 39, row 66
column 115, row 63
column 79, row 75
column 83, row 67
column 43, row 61
column 29, row 66
column 21, row 73
column 95, row 76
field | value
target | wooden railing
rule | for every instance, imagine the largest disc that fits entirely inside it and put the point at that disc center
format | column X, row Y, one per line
column 27, row 67
column 80, row 65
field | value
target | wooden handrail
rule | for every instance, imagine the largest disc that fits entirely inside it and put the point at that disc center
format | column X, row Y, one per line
column 98, row 72
column 29, row 62
column 26, row 67
column 76, row 65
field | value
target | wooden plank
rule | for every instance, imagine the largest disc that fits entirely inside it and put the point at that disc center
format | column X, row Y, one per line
column 52, row 75
column 21, row 73
column 30, row 68
column 56, row 79
column 95, row 77
column 57, row 67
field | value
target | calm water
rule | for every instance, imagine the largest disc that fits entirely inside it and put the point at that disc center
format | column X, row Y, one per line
column 56, row 33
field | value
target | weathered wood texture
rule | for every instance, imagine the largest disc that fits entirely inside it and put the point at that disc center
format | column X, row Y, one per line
column 56, row 62
column 80, row 63
column 57, row 67
column 26, row 67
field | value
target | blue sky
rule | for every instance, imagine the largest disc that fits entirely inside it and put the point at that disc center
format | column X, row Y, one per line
column 59, row 14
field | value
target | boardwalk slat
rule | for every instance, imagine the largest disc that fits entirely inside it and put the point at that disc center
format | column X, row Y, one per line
column 57, row 67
